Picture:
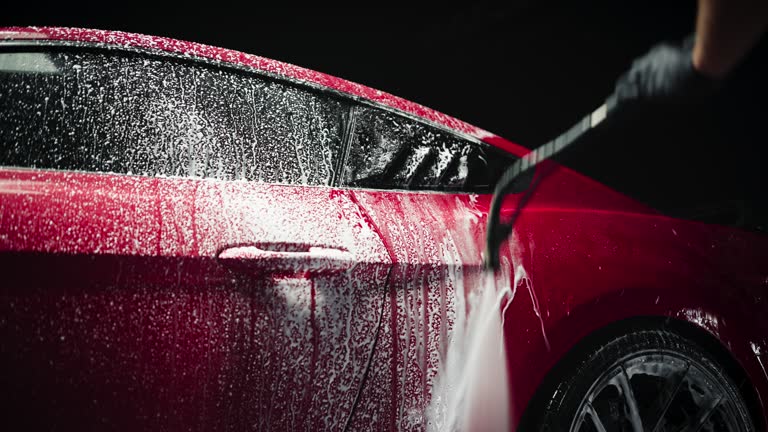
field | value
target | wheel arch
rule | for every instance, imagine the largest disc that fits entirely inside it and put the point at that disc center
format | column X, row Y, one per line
column 694, row 333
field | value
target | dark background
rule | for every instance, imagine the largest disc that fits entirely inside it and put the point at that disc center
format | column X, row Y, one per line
column 525, row 70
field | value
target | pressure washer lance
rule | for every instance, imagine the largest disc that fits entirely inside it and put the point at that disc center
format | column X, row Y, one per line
column 497, row 231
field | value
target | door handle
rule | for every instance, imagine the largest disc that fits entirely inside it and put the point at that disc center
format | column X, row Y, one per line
column 287, row 258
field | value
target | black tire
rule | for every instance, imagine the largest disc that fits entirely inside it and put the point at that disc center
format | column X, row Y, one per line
column 674, row 383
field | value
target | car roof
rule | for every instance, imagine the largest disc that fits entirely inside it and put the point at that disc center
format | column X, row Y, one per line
column 274, row 67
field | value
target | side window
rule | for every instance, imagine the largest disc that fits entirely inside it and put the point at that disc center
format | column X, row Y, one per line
column 389, row 151
column 129, row 113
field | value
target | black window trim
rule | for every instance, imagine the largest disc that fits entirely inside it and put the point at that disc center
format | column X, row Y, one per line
column 352, row 100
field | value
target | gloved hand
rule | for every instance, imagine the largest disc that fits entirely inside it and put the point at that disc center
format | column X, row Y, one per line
column 665, row 75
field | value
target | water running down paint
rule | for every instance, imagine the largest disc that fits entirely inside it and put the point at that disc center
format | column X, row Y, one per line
column 471, row 391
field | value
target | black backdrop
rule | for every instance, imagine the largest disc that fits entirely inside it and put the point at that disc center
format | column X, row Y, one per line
column 525, row 70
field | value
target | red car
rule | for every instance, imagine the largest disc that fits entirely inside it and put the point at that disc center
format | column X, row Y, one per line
column 194, row 238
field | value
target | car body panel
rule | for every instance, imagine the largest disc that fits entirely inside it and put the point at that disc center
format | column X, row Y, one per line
column 114, row 303
column 436, row 242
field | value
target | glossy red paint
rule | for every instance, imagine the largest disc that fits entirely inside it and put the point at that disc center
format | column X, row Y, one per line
column 118, row 300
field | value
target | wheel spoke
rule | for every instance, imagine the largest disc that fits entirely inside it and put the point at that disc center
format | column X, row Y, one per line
column 662, row 403
column 695, row 423
column 629, row 397
column 595, row 419
column 580, row 421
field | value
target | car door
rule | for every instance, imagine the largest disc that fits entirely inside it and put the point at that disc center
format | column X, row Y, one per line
column 419, row 184
column 172, row 254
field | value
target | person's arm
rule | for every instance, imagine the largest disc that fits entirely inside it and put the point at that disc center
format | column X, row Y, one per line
column 688, row 72
column 725, row 32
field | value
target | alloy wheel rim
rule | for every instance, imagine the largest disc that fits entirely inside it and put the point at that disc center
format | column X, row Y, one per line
column 657, row 391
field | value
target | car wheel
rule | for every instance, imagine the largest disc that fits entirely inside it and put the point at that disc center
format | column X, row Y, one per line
column 646, row 380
